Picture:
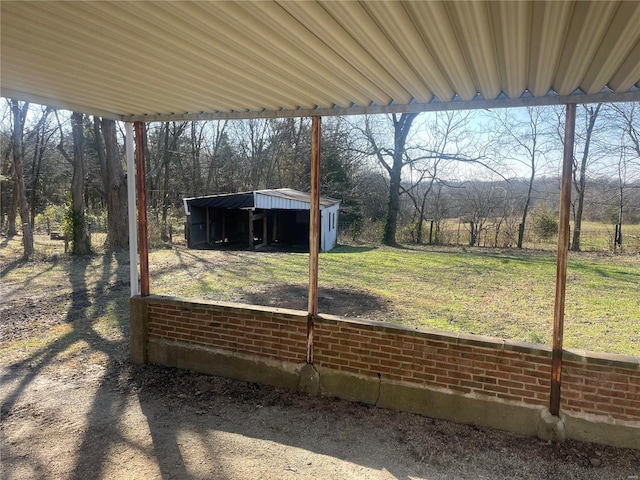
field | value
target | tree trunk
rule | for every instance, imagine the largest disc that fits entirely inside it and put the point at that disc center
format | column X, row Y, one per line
column 115, row 190
column 196, row 143
column 472, row 234
column 165, row 184
column 525, row 210
column 401, row 129
column 214, row 155
column 393, row 207
column 38, row 155
column 423, row 207
column 19, row 116
column 81, row 242
column 8, row 195
column 581, row 182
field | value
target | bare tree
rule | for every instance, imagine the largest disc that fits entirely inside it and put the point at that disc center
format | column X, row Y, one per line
column 288, row 154
column 19, row 114
column 479, row 201
column 169, row 140
column 580, row 173
column 43, row 134
column 80, row 240
column 524, row 141
column 628, row 165
column 392, row 159
column 252, row 137
column 197, row 138
column 218, row 141
column 446, row 139
column 439, row 209
column 5, row 201
column 114, row 183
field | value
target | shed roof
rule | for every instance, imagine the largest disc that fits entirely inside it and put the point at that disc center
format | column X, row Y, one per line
column 171, row 60
column 288, row 199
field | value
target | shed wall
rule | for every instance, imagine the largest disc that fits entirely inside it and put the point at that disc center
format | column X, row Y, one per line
column 329, row 228
column 269, row 202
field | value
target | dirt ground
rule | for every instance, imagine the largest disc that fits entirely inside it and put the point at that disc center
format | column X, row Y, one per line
column 74, row 408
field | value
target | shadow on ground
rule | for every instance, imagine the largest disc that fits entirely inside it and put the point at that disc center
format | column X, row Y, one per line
column 336, row 301
column 123, row 421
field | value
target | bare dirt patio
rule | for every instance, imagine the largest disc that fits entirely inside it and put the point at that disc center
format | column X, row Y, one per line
column 73, row 407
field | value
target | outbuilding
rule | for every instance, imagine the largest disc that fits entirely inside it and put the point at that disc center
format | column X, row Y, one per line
column 258, row 218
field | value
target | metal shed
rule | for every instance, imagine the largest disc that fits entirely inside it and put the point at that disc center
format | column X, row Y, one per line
column 258, row 218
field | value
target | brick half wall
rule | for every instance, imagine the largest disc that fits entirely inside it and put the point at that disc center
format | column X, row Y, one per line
column 464, row 364
column 466, row 378
column 274, row 334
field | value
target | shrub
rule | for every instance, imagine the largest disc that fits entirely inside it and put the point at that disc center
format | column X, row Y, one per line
column 55, row 214
column 545, row 223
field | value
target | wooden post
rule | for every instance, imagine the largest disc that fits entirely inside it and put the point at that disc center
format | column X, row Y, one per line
column 314, row 233
column 141, row 187
column 208, row 225
column 274, row 230
column 561, row 264
column 265, row 238
column 431, row 233
column 251, row 229
column 224, row 217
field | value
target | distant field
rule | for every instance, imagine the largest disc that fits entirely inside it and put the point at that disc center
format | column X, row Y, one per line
column 596, row 236
column 502, row 293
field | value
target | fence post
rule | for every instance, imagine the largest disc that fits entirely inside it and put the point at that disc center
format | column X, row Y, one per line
column 431, row 233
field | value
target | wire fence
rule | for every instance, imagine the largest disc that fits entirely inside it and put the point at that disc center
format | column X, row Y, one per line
column 594, row 237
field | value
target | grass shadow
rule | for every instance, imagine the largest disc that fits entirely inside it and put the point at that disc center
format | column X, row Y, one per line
column 351, row 249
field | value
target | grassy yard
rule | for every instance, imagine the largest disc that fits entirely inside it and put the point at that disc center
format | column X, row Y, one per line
column 507, row 294
column 502, row 293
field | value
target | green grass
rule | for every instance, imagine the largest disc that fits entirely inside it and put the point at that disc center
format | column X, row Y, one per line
column 507, row 294
column 501, row 293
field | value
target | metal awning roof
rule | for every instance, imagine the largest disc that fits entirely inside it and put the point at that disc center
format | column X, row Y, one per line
column 172, row 60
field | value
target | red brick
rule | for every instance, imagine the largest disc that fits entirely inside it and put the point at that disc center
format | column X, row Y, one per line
column 391, row 350
column 446, row 381
column 423, row 376
column 633, row 412
column 579, row 403
column 612, row 393
column 460, row 389
column 504, row 375
column 506, row 368
column 524, row 393
column 471, row 384
column 484, row 380
column 510, row 384
column 496, row 388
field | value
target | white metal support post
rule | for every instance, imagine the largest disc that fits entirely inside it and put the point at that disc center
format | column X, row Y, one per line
column 131, row 207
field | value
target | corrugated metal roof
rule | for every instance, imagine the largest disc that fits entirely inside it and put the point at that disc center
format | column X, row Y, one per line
column 165, row 60
column 296, row 195
column 281, row 198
